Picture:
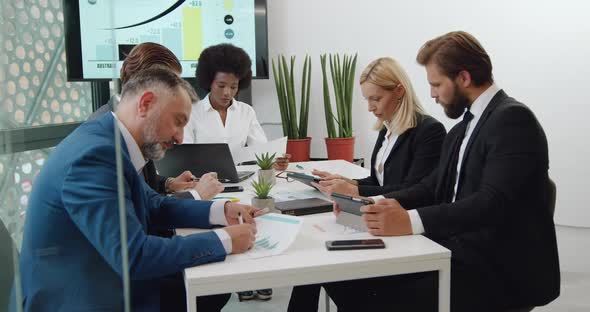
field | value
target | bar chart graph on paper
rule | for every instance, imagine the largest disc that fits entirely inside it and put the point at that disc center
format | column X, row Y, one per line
column 276, row 233
column 266, row 243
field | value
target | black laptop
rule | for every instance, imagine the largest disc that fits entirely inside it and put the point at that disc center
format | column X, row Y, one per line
column 200, row 159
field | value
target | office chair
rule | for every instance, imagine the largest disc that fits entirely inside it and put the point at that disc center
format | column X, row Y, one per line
column 6, row 265
column 520, row 309
column 552, row 199
column 552, row 196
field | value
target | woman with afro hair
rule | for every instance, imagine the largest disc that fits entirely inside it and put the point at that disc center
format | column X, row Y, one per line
column 222, row 71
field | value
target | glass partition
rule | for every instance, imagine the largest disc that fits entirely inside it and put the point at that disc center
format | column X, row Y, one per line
column 39, row 107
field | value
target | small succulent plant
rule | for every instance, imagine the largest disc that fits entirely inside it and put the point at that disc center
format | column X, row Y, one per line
column 262, row 188
column 265, row 160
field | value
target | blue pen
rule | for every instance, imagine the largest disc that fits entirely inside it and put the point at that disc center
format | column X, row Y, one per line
column 300, row 167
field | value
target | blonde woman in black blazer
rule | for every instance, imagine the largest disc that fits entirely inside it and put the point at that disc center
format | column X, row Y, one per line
column 407, row 149
column 409, row 142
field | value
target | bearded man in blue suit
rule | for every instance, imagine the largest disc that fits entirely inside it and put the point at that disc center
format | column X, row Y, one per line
column 72, row 251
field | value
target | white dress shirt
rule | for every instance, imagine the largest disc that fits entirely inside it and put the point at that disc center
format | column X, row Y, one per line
column 383, row 153
column 241, row 125
column 195, row 194
column 217, row 210
column 477, row 108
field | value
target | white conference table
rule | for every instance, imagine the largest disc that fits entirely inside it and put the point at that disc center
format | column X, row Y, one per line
column 308, row 261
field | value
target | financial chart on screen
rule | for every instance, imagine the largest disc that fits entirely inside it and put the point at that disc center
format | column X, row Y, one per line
column 109, row 29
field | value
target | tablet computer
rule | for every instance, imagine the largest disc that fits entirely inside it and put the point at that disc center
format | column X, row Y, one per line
column 350, row 214
column 303, row 178
column 350, row 204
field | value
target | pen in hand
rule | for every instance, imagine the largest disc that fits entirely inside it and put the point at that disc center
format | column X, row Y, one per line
column 214, row 174
column 240, row 218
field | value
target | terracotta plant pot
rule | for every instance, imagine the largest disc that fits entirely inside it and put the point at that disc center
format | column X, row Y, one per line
column 262, row 203
column 340, row 148
column 299, row 149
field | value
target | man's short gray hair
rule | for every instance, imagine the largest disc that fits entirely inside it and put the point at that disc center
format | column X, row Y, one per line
column 160, row 77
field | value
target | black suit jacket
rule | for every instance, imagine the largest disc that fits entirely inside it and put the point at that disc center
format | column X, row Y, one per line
column 155, row 181
column 500, row 224
column 414, row 155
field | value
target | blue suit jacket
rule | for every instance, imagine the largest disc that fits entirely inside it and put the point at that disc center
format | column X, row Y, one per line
column 71, row 255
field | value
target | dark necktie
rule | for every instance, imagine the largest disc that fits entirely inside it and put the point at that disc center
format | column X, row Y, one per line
column 451, row 173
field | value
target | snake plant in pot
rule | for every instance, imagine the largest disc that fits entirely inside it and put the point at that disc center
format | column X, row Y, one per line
column 298, row 142
column 340, row 141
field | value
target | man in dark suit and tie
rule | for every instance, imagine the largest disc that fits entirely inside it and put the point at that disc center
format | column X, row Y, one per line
column 148, row 55
column 488, row 200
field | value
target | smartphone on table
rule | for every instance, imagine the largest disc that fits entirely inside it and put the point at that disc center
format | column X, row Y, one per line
column 233, row 188
column 374, row 243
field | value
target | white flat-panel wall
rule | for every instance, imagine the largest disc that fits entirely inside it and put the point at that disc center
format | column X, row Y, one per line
column 540, row 51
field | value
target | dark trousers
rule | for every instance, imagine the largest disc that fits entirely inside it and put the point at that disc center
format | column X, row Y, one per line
column 470, row 291
column 173, row 297
column 409, row 292
column 304, row 298
column 173, row 294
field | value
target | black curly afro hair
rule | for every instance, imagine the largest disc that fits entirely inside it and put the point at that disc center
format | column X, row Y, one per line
column 223, row 58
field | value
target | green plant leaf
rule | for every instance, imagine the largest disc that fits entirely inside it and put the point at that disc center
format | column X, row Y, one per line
column 307, row 96
column 262, row 188
column 304, row 106
column 327, row 103
column 342, row 70
column 264, row 160
column 279, row 85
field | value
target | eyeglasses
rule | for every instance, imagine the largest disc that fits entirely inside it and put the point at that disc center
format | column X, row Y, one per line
column 278, row 175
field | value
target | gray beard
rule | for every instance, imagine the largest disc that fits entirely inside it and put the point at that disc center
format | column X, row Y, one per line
column 153, row 150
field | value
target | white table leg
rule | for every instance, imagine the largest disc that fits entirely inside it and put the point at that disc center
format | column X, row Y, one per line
column 327, row 299
column 191, row 302
column 444, row 287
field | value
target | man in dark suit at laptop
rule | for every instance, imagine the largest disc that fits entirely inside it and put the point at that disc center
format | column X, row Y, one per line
column 152, row 55
column 488, row 200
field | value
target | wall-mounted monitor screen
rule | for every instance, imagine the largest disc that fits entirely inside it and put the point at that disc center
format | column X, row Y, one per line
column 100, row 33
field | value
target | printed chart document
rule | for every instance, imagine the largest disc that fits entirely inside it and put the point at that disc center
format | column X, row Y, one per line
column 275, row 233
column 278, row 146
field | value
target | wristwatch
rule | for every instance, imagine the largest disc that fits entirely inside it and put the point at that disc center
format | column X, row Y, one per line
column 167, row 185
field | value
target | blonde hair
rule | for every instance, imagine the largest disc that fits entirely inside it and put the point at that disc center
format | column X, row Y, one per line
column 388, row 74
